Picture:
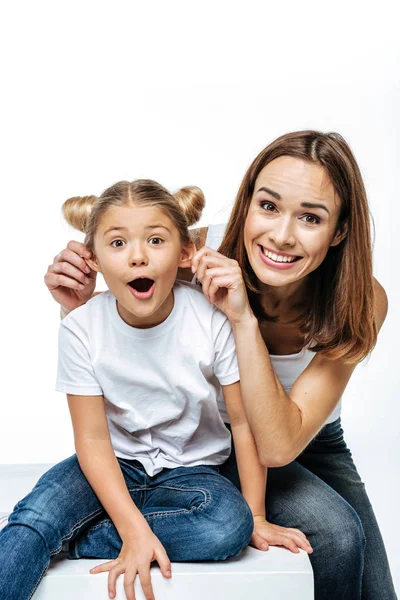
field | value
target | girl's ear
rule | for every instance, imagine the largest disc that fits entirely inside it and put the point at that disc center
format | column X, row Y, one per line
column 93, row 264
column 340, row 234
column 187, row 254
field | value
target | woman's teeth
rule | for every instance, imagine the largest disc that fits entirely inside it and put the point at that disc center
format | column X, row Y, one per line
column 278, row 257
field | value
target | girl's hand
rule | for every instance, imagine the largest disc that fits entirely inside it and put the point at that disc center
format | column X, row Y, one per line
column 70, row 280
column 135, row 558
column 266, row 534
column 222, row 283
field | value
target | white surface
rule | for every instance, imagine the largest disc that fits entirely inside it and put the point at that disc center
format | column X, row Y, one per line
column 186, row 93
column 276, row 574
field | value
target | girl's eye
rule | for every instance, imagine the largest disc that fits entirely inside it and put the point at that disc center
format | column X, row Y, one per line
column 155, row 241
column 312, row 219
column 117, row 243
column 267, row 206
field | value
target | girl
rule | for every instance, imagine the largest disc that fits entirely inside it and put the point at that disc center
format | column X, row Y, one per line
column 294, row 276
column 143, row 398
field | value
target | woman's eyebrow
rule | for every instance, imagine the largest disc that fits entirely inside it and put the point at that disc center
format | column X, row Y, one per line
column 312, row 205
column 274, row 194
column 303, row 204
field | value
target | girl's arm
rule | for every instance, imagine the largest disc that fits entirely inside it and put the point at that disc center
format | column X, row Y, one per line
column 253, row 479
column 282, row 424
column 101, row 468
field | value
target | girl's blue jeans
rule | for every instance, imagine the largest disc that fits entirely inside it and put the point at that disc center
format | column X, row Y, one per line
column 195, row 512
column 321, row 493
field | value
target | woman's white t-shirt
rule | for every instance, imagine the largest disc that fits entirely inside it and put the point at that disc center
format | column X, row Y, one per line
column 161, row 385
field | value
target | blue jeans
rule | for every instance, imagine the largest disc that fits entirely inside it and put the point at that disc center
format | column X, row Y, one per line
column 321, row 494
column 180, row 505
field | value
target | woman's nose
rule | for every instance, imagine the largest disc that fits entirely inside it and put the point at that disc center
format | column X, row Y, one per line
column 282, row 234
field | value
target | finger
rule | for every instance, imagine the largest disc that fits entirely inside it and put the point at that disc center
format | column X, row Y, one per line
column 258, row 542
column 129, row 584
column 212, row 260
column 112, row 580
column 73, row 258
column 198, row 256
column 288, row 543
column 164, row 562
column 79, row 249
column 54, row 280
column 217, row 284
column 297, row 532
column 65, row 268
column 103, row 567
column 145, row 581
column 303, row 544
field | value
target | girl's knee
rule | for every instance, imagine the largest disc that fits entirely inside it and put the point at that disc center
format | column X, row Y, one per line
column 233, row 530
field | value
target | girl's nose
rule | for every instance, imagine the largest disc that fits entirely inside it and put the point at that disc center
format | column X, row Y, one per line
column 138, row 256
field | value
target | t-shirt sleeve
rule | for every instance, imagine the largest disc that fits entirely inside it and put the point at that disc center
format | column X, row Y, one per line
column 226, row 367
column 75, row 374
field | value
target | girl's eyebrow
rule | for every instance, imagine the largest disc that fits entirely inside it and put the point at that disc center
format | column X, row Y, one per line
column 158, row 225
column 115, row 228
column 303, row 204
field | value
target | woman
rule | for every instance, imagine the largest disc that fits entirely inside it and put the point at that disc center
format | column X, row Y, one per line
column 294, row 277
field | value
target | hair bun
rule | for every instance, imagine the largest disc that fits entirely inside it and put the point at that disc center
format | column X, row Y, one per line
column 191, row 200
column 76, row 211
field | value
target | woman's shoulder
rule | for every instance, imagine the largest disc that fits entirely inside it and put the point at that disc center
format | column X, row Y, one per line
column 381, row 304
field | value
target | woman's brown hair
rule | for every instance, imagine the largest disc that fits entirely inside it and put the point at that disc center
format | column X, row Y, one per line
column 339, row 318
column 184, row 207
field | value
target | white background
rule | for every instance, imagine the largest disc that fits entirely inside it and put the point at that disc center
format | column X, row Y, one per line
column 186, row 93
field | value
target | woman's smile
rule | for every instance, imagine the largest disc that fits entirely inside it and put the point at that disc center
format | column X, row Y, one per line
column 291, row 222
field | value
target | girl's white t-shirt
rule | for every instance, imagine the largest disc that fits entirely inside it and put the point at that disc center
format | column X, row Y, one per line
column 287, row 367
column 161, row 385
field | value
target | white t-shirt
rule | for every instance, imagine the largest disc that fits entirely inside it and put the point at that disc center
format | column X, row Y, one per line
column 161, row 384
column 287, row 367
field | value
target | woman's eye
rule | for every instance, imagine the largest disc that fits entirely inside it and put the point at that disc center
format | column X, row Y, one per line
column 117, row 243
column 155, row 241
column 312, row 219
column 267, row 206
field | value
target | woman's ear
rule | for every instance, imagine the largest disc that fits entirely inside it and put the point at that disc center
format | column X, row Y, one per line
column 340, row 234
column 93, row 264
column 187, row 254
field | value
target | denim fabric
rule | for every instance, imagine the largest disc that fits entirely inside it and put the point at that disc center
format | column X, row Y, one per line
column 180, row 505
column 321, row 494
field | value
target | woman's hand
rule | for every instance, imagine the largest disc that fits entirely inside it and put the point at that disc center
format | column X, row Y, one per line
column 266, row 534
column 70, row 280
column 135, row 558
column 222, row 283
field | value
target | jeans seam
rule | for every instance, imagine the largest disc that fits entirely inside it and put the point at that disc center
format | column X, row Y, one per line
column 39, row 580
column 67, row 537
column 185, row 511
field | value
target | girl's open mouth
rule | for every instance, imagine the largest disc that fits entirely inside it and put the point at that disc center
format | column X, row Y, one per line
column 142, row 287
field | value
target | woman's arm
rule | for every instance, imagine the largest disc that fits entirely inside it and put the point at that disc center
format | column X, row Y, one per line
column 253, row 479
column 101, row 468
column 282, row 424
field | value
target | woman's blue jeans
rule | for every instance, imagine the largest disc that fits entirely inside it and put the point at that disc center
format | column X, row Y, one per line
column 180, row 505
column 321, row 494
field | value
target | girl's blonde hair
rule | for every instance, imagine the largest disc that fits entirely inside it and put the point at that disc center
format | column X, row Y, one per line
column 339, row 318
column 184, row 207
